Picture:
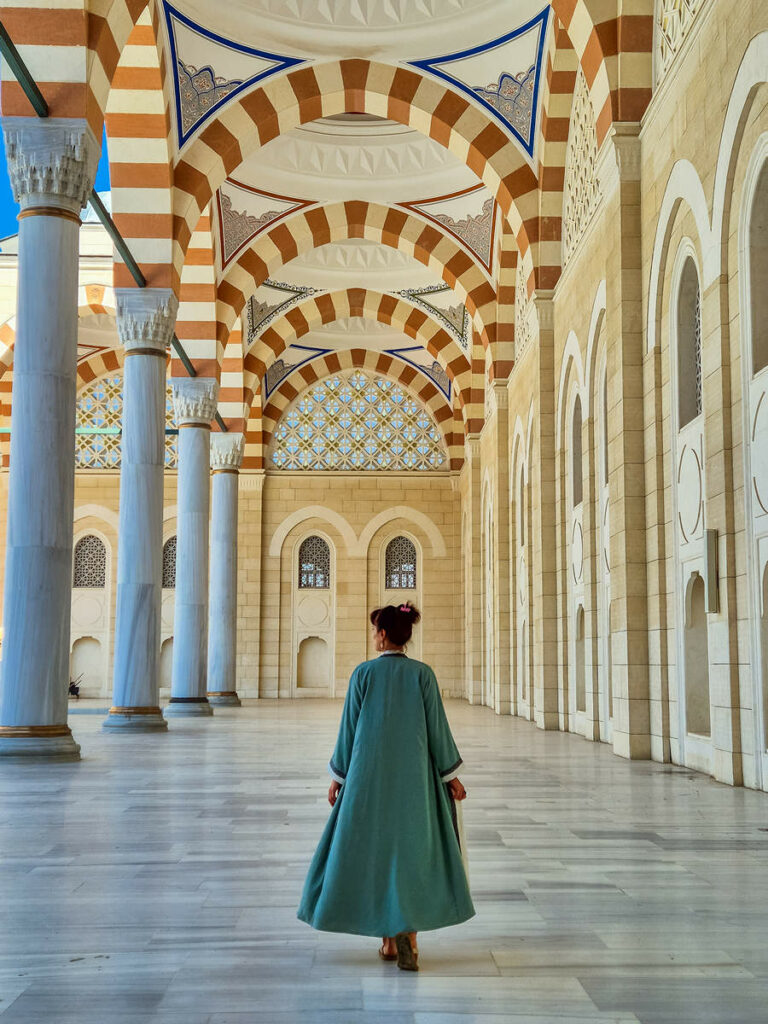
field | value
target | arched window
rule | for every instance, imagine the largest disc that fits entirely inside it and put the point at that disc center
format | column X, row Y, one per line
column 314, row 564
column 577, row 481
column 689, row 344
column 169, row 564
column 90, row 567
column 354, row 421
column 605, row 426
column 758, row 272
column 400, row 564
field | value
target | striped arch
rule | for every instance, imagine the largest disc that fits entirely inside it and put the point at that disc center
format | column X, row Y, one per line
column 334, row 222
column 557, row 100
column 505, row 327
column 234, row 397
column 447, row 416
column 196, row 317
column 388, row 309
column 99, row 365
column 138, row 122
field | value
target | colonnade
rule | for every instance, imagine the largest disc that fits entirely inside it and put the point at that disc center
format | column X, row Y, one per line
column 52, row 166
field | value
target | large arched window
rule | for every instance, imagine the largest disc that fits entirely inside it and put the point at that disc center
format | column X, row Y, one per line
column 314, row 564
column 357, row 421
column 689, row 344
column 400, row 564
column 90, row 562
column 169, row 563
column 577, row 479
column 99, row 425
column 758, row 272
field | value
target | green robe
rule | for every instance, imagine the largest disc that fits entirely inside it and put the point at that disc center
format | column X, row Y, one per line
column 389, row 860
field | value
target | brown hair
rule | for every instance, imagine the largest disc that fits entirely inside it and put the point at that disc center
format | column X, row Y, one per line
column 397, row 621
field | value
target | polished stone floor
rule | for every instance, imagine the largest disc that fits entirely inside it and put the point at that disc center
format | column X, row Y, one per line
column 157, row 881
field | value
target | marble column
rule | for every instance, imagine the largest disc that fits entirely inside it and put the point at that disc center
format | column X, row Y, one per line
column 195, row 402
column 52, row 165
column 145, row 319
column 226, row 457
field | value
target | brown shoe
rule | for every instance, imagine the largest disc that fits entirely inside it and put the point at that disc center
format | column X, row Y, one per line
column 407, row 956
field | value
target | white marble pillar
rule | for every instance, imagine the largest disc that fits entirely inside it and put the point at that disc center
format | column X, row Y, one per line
column 145, row 319
column 226, row 457
column 52, row 165
column 195, row 402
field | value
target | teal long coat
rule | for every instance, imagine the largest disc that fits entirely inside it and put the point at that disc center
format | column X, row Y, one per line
column 389, row 860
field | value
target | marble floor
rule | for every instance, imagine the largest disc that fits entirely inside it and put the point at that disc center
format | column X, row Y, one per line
column 157, row 881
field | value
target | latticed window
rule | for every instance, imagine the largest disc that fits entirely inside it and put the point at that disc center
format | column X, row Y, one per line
column 90, row 563
column 99, row 423
column 689, row 380
column 169, row 564
column 357, row 421
column 314, row 564
column 400, row 564
column 673, row 22
column 523, row 332
column 582, row 189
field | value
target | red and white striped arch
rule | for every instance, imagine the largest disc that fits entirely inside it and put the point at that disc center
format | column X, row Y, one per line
column 447, row 416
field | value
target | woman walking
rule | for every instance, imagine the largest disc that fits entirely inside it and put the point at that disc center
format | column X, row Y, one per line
column 388, row 863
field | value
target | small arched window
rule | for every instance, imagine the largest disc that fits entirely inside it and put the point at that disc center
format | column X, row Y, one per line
column 689, row 344
column 169, row 564
column 605, row 426
column 758, row 272
column 90, row 563
column 577, row 480
column 400, row 564
column 314, row 564
column 521, row 508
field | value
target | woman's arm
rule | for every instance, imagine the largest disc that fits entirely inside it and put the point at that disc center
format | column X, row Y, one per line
column 342, row 753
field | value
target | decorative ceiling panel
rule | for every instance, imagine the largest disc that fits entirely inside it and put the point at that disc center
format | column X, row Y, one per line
column 502, row 75
column 469, row 216
column 244, row 212
column 292, row 359
column 418, row 357
column 208, row 70
column 439, row 300
column 271, row 300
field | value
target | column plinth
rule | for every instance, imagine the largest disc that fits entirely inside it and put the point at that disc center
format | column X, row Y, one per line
column 226, row 458
column 195, row 405
column 52, row 165
column 145, row 320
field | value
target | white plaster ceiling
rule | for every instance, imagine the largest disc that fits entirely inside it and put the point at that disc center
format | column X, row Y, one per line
column 357, row 263
column 390, row 30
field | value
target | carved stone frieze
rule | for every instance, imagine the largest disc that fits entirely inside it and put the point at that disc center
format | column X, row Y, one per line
column 227, row 450
column 145, row 317
column 50, row 162
column 194, row 399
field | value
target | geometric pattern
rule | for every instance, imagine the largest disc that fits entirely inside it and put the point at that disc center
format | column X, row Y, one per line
column 454, row 317
column 275, row 298
column 244, row 212
column 581, row 187
column 314, row 564
column 673, row 22
column 169, row 563
column 502, row 75
column 400, row 565
column 357, row 421
column 90, row 563
column 99, row 425
column 469, row 216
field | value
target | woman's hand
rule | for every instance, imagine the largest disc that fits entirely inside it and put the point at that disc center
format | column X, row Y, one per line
column 333, row 792
column 457, row 790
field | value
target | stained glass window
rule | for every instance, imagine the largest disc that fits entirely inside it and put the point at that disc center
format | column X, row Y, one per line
column 357, row 421
column 99, row 422
column 169, row 564
column 314, row 564
column 90, row 563
column 400, row 564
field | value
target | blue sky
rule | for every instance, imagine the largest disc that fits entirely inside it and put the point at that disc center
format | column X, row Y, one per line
column 9, row 209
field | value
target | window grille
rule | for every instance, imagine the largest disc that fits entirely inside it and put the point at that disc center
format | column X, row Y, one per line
column 697, row 349
column 99, row 425
column 357, row 421
column 90, row 563
column 169, row 564
column 314, row 564
column 689, row 379
column 400, row 565
column 674, row 19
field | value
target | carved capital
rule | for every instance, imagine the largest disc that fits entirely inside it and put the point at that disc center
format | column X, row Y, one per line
column 194, row 399
column 51, row 162
column 145, row 317
column 619, row 157
column 227, row 451
column 545, row 308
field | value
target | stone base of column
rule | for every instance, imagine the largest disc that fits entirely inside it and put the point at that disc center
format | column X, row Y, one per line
column 188, row 707
column 142, row 719
column 224, row 698
column 38, row 741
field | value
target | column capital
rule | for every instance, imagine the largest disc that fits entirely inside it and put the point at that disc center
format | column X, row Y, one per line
column 51, row 162
column 145, row 317
column 194, row 400
column 227, row 451
column 619, row 156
